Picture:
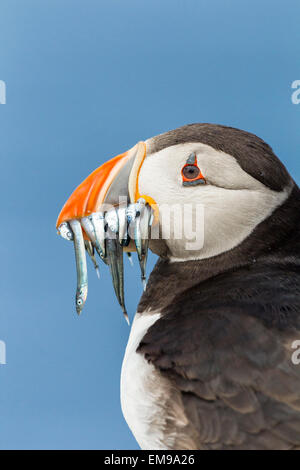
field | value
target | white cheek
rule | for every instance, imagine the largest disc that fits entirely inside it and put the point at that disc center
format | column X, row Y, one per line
column 230, row 213
column 159, row 179
column 181, row 223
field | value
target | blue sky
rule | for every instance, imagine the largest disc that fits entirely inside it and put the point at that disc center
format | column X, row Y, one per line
column 87, row 79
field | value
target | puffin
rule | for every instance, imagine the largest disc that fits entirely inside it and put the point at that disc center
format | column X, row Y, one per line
column 209, row 360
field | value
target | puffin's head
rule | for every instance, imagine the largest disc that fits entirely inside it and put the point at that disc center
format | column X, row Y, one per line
column 235, row 177
column 209, row 186
column 214, row 179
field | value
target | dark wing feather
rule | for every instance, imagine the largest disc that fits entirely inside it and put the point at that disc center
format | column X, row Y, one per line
column 228, row 352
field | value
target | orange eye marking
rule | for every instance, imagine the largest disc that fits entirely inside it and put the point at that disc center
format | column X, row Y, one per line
column 191, row 173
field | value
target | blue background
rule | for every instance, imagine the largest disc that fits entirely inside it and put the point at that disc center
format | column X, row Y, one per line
column 86, row 80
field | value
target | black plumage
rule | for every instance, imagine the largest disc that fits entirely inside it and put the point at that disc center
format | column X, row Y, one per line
column 225, row 336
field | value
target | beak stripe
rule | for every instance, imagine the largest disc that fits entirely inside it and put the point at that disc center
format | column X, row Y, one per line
column 104, row 183
column 133, row 184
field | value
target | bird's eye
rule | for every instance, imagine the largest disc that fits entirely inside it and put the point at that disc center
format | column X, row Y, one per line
column 190, row 172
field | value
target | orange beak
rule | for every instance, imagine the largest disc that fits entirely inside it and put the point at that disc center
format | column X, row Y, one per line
column 115, row 179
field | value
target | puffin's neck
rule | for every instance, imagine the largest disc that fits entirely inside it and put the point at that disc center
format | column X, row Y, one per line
column 272, row 241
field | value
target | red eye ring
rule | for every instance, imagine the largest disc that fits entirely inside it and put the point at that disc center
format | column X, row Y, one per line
column 191, row 173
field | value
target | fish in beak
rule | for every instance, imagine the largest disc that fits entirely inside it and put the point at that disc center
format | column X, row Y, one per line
column 107, row 215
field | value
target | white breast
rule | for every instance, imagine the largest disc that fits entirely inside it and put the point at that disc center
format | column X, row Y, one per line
column 144, row 391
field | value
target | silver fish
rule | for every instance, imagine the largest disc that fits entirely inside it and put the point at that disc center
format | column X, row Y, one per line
column 137, row 236
column 89, row 228
column 131, row 213
column 91, row 252
column 82, row 279
column 123, row 226
column 112, row 220
column 65, row 231
column 141, row 239
column 115, row 260
column 146, row 219
column 98, row 221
